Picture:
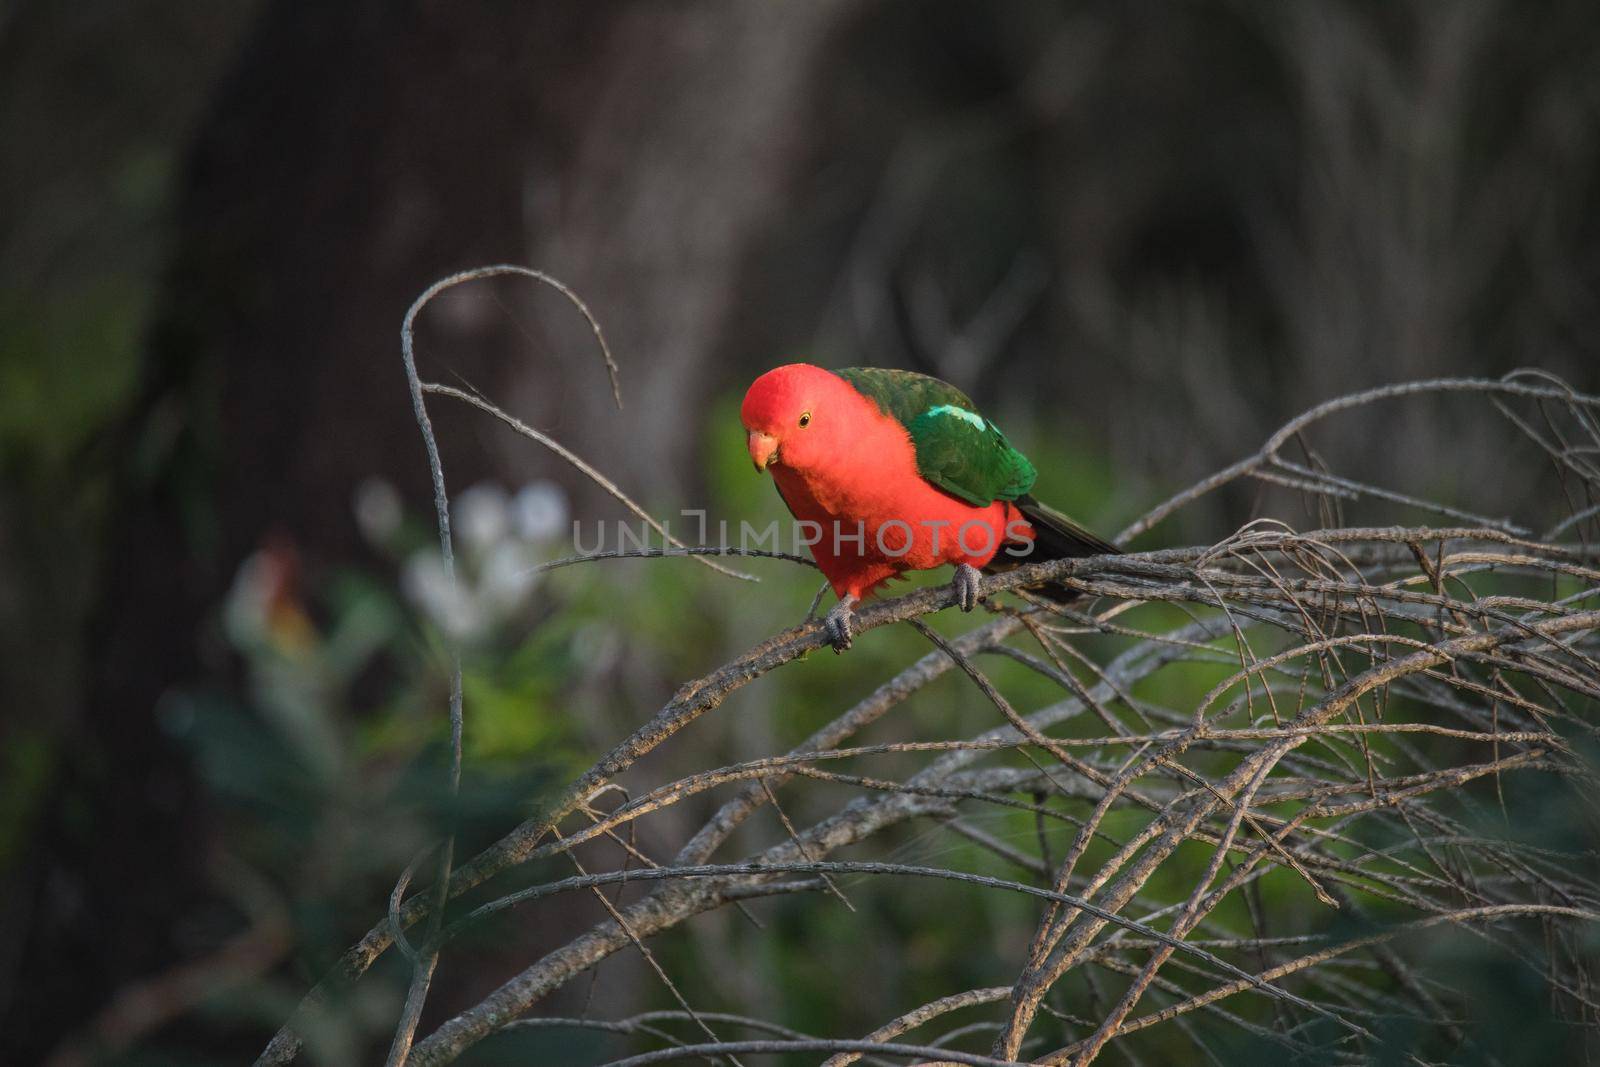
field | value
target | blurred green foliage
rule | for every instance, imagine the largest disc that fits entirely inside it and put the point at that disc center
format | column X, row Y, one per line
column 72, row 360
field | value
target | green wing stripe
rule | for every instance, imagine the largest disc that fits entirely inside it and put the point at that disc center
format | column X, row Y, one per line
column 971, row 417
column 958, row 449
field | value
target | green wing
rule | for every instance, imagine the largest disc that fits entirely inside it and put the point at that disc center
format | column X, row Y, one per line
column 958, row 449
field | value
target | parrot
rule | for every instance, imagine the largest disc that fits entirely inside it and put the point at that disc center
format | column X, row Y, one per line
column 894, row 471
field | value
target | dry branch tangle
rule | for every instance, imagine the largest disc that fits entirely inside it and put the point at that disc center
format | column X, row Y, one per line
column 673, row 904
column 1324, row 629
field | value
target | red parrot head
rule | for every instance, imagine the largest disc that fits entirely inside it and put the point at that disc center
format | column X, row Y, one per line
column 795, row 414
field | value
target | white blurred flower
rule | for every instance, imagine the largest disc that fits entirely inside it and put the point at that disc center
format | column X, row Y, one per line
column 539, row 511
column 480, row 516
column 377, row 509
column 495, row 571
column 505, row 577
column 452, row 607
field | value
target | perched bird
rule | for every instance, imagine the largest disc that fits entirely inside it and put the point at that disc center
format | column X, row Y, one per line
column 891, row 471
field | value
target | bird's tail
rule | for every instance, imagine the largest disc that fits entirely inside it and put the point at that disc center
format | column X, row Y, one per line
column 1055, row 536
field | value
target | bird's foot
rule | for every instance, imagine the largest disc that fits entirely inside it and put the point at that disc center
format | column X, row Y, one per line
column 839, row 623
column 965, row 585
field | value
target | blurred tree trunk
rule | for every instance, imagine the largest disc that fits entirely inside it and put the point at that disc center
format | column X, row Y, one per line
column 682, row 154
column 355, row 154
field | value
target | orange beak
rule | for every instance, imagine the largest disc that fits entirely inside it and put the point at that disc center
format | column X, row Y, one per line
column 763, row 450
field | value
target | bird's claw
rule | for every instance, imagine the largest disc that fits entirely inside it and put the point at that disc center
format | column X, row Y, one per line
column 965, row 585
column 839, row 624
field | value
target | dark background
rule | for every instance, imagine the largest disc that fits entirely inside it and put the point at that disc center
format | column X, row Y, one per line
column 1142, row 234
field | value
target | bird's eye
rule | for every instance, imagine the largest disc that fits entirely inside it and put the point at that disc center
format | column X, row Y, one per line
column 805, row 418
